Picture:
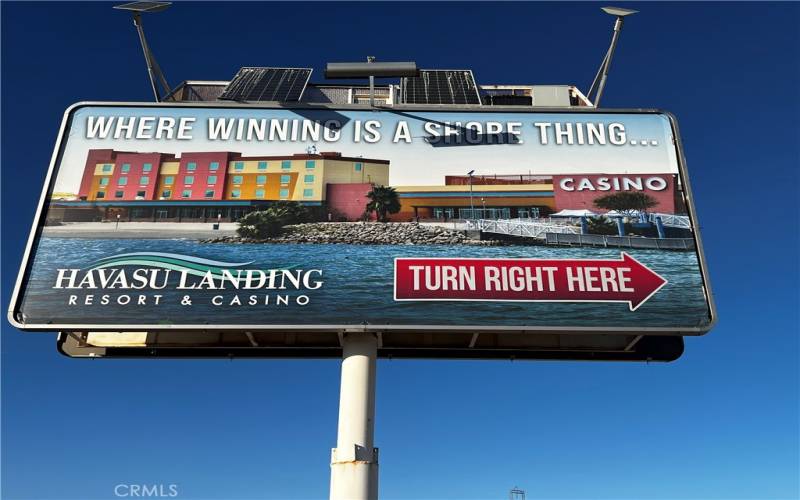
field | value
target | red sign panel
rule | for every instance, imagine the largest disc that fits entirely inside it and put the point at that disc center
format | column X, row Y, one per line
column 527, row 280
column 578, row 191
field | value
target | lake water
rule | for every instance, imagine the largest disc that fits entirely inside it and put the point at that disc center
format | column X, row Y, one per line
column 358, row 288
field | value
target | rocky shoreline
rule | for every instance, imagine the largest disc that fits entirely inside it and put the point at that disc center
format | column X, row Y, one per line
column 365, row 233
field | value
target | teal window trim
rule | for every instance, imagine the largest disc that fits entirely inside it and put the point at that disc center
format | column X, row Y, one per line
column 308, row 193
column 213, row 166
column 191, row 166
column 239, row 165
column 147, row 167
column 169, row 180
column 122, row 181
column 311, row 164
column 236, row 193
column 284, row 193
column 308, row 179
column 212, row 179
column 126, row 167
column 107, row 167
column 259, row 193
column 359, row 166
column 237, row 179
column 286, row 179
column 262, row 165
column 286, row 165
column 261, row 179
column 144, row 180
column 188, row 180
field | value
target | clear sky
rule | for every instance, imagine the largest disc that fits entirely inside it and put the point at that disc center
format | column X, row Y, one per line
column 721, row 422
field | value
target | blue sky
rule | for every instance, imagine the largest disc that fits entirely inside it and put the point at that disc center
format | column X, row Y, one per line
column 721, row 422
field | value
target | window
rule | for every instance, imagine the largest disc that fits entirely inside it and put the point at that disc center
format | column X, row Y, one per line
column 309, row 179
column 212, row 179
column 147, row 167
column 122, row 181
column 239, row 165
column 261, row 179
column 285, row 179
column 284, row 193
column 140, row 194
column 126, row 167
column 191, row 166
column 308, row 193
column 187, row 193
column 100, row 194
column 168, row 180
column 286, row 165
column 104, row 181
column 260, row 193
column 237, row 179
column 214, row 165
column 144, row 180
column 262, row 165
column 107, row 167
column 166, row 193
column 119, row 194
column 209, row 193
column 189, row 179
column 359, row 166
column 311, row 163
column 236, row 193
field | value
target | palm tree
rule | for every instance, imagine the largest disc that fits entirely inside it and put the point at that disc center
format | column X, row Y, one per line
column 383, row 201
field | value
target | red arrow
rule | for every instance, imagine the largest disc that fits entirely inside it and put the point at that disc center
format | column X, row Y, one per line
column 526, row 280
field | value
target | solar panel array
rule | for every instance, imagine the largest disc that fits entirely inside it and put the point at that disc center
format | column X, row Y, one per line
column 267, row 84
column 441, row 87
column 143, row 6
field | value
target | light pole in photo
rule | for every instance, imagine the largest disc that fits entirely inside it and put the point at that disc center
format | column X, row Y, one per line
column 117, row 225
column 471, row 204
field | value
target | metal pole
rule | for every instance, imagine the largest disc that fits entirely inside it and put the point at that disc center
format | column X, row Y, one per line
column 371, row 85
column 471, row 204
column 607, row 65
column 354, row 461
column 137, row 21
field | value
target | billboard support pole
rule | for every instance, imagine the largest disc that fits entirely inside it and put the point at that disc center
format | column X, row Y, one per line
column 354, row 461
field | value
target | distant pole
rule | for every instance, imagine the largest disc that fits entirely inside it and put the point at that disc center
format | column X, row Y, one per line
column 117, row 225
column 584, row 225
column 354, row 461
column 471, row 204
column 371, row 59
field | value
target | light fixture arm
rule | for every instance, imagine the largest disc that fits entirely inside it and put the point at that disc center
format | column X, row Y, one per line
column 153, row 69
column 599, row 82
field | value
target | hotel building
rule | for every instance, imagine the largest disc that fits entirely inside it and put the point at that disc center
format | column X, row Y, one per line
column 215, row 185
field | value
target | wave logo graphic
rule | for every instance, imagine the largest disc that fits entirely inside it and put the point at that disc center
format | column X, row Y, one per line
column 188, row 264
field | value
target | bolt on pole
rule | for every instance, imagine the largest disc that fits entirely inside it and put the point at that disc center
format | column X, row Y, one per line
column 354, row 461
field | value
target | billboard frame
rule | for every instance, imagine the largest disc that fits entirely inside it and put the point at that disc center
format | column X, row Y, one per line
column 58, row 151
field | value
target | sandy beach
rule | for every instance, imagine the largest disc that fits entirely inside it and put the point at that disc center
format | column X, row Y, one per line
column 140, row 230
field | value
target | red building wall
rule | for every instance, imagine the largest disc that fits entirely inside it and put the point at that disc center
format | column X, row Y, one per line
column 202, row 171
column 349, row 200
column 94, row 157
column 134, row 176
column 578, row 191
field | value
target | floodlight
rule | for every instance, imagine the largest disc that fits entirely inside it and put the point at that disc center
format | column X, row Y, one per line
column 153, row 69
column 602, row 74
column 144, row 6
column 618, row 11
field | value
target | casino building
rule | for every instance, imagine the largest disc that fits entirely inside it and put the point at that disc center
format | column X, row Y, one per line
column 199, row 187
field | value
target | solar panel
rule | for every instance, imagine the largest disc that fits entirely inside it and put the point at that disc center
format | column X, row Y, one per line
column 435, row 86
column 143, row 6
column 267, row 84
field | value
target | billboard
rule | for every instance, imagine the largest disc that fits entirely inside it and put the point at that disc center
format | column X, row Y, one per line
column 234, row 218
